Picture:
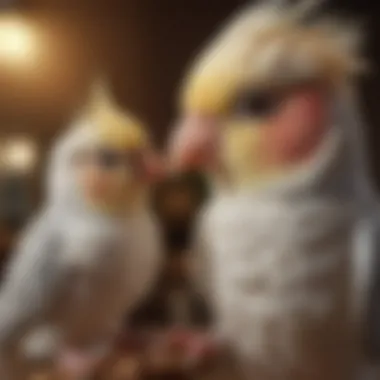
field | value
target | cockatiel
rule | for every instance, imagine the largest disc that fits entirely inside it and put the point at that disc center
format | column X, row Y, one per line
column 92, row 252
column 286, row 243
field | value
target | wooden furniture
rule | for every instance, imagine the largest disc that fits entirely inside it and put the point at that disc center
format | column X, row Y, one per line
column 148, row 355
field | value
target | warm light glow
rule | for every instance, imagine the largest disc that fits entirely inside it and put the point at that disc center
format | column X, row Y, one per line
column 19, row 155
column 18, row 41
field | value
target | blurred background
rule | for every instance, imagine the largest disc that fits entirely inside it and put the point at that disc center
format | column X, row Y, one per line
column 48, row 49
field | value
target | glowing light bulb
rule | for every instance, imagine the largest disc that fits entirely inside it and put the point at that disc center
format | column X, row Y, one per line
column 19, row 155
column 19, row 42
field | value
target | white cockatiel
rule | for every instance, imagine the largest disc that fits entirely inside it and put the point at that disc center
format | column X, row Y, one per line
column 285, row 244
column 92, row 252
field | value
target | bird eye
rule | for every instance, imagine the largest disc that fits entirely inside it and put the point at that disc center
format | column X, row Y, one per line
column 258, row 104
column 109, row 159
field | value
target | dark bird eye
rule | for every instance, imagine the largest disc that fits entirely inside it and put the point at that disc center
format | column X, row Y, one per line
column 109, row 159
column 259, row 104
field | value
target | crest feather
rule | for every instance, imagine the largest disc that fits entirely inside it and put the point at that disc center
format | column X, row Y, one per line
column 100, row 96
column 117, row 127
column 272, row 41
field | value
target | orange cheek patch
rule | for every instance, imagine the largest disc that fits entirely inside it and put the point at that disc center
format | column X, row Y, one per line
column 297, row 129
column 97, row 188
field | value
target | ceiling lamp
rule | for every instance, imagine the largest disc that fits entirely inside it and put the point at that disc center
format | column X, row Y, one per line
column 20, row 41
column 19, row 155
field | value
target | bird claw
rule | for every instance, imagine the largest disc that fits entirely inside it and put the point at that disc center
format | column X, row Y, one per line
column 77, row 364
column 197, row 347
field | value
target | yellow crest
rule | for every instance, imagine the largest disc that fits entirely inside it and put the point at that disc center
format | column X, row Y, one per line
column 267, row 43
column 115, row 126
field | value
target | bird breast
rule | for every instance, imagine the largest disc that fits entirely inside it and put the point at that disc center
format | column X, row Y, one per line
column 94, row 246
column 279, row 268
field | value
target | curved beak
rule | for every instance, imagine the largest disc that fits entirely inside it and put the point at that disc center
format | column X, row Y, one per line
column 194, row 143
column 154, row 168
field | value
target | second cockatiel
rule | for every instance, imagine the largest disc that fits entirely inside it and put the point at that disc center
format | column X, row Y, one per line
column 92, row 252
column 269, row 114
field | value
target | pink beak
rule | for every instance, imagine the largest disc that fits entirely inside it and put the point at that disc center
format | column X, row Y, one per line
column 194, row 143
column 153, row 166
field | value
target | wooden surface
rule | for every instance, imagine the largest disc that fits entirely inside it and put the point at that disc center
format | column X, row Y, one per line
column 153, row 359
